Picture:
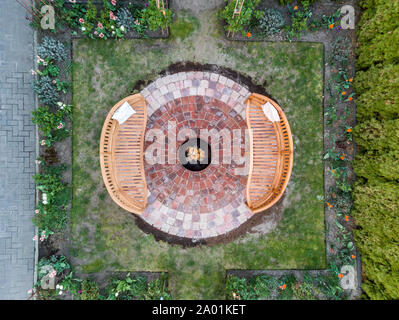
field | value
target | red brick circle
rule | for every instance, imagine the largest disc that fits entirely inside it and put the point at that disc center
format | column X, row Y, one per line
column 188, row 191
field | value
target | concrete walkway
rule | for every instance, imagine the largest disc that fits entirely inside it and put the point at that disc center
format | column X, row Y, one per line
column 17, row 153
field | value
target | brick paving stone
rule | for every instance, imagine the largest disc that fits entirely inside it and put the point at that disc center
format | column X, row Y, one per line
column 206, row 203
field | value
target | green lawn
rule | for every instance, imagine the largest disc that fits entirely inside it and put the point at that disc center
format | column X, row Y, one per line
column 105, row 237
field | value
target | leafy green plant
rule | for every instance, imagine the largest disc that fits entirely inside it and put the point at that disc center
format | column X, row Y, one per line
column 59, row 263
column 46, row 90
column 328, row 21
column 155, row 18
column 238, row 289
column 51, row 213
column 51, row 48
column 127, row 289
column 52, row 124
column 299, row 19
column 303, row 291
column 157, row 289
column 264, row 285
column 71, row 284
column 340, row 51
column 271, row 22
column 240, row 23
column 89, row 290
column 125, row 18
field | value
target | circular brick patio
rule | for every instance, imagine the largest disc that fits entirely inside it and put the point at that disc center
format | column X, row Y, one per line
column 205, row 203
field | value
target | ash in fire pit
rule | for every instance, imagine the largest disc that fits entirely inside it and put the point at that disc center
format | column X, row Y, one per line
column 195, row 154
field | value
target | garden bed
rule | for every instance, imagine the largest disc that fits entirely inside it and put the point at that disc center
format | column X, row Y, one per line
column 105, row 238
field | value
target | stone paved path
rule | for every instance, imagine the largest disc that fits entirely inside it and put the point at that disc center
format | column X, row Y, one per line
column 205, row 203
column 17, row 153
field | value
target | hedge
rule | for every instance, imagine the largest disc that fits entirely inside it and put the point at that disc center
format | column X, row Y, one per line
column 376, row 193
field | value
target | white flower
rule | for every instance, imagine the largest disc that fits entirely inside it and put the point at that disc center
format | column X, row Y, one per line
column 60, row 292
column 59, row 103
column 113, row 32
column 61, row 287
column 122, row 28
column 83, row 28
column 112, row 27
column 116, row 294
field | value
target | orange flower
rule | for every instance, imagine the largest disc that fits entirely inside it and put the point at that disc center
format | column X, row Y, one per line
column 343, row 156
column 329, row 205
column 340, row 275
column 331, row 25
column 249, row 35
column 349, row 130
column 343, row 93
column 350, row 80
column 350, row 98
column 296, row 8
column 346, row 218
column 283, row 286
column 333, row 170
column 353, row 256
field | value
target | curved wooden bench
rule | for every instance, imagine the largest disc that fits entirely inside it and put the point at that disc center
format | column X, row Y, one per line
column 121, row 156
column 271, row 154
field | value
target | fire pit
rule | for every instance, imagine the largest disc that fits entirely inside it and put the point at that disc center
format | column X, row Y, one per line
column 195, row 154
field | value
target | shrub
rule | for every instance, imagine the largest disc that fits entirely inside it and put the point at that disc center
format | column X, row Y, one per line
column 52, row 49
column 46, row 90
column 271, row 22
column 376, row 210
column 376, row 194
column 378, row 135
column 378, row 165
column 378, row 92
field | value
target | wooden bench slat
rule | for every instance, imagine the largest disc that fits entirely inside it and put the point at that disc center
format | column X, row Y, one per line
column 122, row 156
column 271, row 155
